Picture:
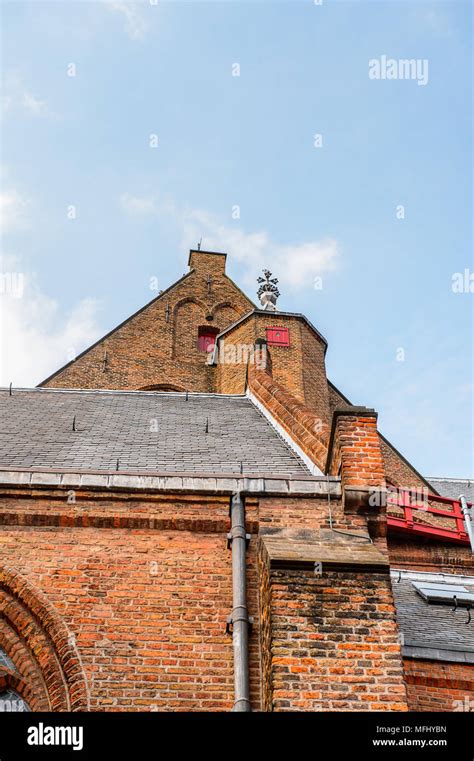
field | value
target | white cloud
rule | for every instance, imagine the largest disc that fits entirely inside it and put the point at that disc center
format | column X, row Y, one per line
column 36, row 337
column 12, row 210
column 135, row 25
column 299, row 263
column 17, row 97
column 33, row 105
column 135, row 206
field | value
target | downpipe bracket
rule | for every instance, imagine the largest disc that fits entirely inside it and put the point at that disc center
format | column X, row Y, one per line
column 249, row 620
column 230, row 539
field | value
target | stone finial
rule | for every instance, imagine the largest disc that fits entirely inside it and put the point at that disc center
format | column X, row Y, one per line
column 268, row 291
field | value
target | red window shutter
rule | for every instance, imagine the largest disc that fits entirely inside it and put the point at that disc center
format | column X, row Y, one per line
column 278, row 336
column 205, row 340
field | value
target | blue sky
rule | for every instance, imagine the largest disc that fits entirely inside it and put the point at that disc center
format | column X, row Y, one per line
column 166, row 69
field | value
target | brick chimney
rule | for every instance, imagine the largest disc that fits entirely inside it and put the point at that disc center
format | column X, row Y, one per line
column 212, row 262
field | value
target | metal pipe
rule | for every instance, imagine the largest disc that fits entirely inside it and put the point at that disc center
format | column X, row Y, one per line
column 467, row 520
column 240, row 618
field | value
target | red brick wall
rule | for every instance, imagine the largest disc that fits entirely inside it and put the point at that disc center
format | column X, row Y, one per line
column 304, row 426
column 143, row 584
column 355, row 450
column 331, row 642
column 48, row 671
column 439, row 686
column 147, row 606
column 418, row 555
column 298, row 368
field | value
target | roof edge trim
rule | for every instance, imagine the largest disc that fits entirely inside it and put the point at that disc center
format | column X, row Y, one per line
column 312, row 467
column 178, row 483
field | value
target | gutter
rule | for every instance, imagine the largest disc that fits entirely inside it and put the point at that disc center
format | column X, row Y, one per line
column 179, row 482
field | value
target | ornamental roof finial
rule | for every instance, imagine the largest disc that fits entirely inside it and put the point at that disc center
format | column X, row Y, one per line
column 268, row 291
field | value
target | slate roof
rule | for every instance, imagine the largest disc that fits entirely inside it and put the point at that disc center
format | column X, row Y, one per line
column 147, row 432
column 430, row 629
column 452, row 487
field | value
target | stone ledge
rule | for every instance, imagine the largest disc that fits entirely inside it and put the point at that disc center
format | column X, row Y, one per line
column 289, row 548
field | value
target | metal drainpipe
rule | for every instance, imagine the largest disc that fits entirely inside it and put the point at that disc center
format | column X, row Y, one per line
column 239, row 618
column 467, row 520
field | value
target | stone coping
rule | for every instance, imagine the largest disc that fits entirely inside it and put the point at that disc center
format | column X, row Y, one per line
column 176, row 482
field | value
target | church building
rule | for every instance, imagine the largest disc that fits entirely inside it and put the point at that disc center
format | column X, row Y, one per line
column 193, row 517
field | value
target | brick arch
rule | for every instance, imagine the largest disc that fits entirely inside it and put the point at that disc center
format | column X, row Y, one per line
column 226, row 313
column 11, row 680
column 163, row 387
column 188, row 314
column 41, row 646
column 26, row 678
column 190, row 300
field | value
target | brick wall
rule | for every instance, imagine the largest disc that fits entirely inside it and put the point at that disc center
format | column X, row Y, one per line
column 47, row 671
column 427, row 555
column 150, row 349
column 142, row 583
column 331, row 642
column 235, row 350
column 146, row 601
column 298, row 368
column 315, row 385
column 328, row 642
column 439, row 686
column 354, row 453
column 350, row 449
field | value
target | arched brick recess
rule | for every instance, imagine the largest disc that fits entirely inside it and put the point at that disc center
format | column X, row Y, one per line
column 38, row 641
column 225, row 314
column 188, row 314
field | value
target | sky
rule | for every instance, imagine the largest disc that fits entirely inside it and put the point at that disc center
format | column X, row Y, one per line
column 287, row 134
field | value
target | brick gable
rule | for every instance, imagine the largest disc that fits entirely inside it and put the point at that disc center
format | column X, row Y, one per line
column 158, row 345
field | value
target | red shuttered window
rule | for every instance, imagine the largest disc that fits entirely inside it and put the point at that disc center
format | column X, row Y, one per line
column 206, row 338
column 278, row 336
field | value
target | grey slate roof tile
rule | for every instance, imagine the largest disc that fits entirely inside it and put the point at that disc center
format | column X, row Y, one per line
column 432, row 625
column 36, row 432
column 452, row 488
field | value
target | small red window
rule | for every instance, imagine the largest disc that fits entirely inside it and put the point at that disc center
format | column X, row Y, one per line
column 278, row 336
column 207, row 338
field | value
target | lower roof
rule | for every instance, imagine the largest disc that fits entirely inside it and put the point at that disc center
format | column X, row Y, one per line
column 454, row 487
column 140, row 432
column 433, row 631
